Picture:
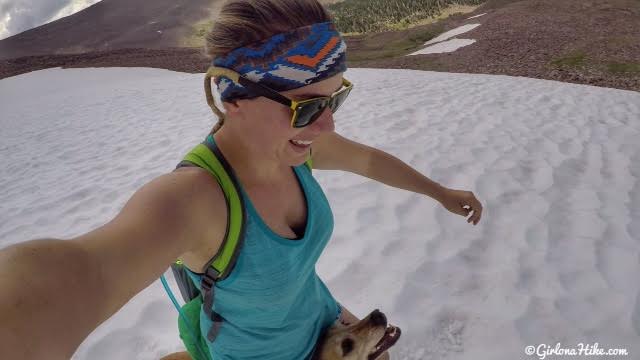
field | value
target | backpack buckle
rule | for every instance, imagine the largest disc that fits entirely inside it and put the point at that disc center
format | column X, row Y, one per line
column 209, row 278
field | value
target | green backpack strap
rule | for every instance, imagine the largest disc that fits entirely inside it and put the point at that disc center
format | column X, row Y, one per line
column 207, row 156
column 309, row 162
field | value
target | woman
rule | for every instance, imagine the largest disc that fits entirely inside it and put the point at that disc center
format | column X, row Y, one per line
column 292, row 48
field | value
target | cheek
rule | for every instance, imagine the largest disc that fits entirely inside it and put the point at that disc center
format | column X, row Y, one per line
column 280, row 125
column 271, row 126
column 276, row 117
column 284, row 119
column 274, row 133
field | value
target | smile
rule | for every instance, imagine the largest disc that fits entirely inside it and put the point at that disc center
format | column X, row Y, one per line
column 301, row 142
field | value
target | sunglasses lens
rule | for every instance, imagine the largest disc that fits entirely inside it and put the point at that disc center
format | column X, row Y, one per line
column 309, row 112
column 339, row 100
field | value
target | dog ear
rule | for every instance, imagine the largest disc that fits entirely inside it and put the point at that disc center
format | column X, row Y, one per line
column 347, row 346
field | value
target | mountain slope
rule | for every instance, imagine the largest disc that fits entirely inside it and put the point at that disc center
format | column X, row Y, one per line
column 113, row 24
column 118, row 24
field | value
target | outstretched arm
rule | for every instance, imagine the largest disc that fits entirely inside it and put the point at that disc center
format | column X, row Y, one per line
column 334, row 152
column 54, row 293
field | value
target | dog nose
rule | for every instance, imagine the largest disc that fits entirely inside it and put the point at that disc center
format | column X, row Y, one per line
column 378, row 318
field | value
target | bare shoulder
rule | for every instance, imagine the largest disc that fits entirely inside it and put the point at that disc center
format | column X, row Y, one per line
column 210, row 208
column 187, row 203
column 205, row 203
column 190, row 194
column 168, row 217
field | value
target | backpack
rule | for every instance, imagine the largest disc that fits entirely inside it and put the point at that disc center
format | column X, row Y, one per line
column 207, row 156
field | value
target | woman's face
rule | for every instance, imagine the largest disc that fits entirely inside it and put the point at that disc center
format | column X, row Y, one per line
column 265, row 125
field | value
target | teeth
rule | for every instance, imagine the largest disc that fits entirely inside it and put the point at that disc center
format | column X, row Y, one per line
column 301, row 142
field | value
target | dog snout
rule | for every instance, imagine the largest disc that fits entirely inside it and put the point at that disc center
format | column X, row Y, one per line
column 378, row 318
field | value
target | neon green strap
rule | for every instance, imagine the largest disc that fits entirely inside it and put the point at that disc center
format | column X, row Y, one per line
column 203, row 157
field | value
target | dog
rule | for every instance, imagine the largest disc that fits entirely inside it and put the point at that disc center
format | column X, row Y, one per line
column 364, row 340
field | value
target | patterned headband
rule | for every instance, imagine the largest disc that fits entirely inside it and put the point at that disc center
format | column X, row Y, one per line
column 285, row 61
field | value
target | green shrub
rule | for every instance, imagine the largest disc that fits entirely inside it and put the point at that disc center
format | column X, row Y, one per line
column 575, row 59
column 621, row 68
column 366, row 16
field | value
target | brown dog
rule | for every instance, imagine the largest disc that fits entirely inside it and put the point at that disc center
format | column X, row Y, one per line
column 363, row 340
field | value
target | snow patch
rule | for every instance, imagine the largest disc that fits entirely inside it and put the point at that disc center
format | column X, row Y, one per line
column 473, row 17
column 444, row 47
column 451, row 33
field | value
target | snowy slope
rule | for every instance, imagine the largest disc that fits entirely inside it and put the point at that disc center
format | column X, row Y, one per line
column 554, row 259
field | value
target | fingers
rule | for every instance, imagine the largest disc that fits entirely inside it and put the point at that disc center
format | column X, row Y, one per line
column 463, row 203
column 476, row 206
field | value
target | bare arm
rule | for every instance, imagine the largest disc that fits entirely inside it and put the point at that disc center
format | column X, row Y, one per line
column 334, row 152
column 45, row 284
column 55, row 292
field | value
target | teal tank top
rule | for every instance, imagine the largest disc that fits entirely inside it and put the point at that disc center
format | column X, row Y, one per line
column 273, row 304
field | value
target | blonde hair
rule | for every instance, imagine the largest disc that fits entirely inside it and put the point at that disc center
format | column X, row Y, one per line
column 242, row 22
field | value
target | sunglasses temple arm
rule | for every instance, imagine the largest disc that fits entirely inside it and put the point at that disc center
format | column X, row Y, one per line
column 263, row 91
column 266, row 92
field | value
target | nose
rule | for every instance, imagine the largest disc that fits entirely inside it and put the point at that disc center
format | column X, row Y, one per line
column 378, row 318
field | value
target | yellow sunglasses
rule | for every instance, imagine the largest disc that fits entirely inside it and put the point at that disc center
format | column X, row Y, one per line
column 305, row 112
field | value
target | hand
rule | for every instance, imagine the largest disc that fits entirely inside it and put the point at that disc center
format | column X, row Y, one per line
column 462, row 203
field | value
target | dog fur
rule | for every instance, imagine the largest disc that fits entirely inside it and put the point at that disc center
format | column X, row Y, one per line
column 352, row 341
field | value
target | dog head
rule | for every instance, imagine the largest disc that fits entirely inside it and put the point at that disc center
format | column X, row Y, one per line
column 364, row 340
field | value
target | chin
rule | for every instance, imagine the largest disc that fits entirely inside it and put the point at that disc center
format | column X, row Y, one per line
column 298, row 155
column 298, row 161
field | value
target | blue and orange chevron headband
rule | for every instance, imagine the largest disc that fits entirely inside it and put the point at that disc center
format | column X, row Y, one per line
column 285, row 61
